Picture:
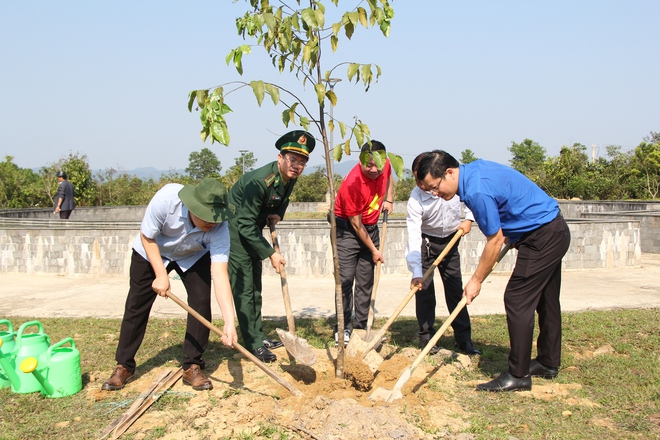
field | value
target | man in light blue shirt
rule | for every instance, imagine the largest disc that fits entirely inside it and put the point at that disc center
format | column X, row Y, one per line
column 508, row 206
column 184, row 229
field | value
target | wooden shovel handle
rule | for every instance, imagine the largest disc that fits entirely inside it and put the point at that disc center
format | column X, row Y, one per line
column 374, row 290
column 285, row 285
column 453, row 315
column 376, row 339
column 295, row 391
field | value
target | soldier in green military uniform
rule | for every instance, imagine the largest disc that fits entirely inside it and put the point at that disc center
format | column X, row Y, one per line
column 261, row 195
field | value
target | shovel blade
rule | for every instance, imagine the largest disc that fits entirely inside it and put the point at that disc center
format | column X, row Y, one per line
column 297, row 347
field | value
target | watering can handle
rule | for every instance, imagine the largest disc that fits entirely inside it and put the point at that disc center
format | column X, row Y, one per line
column 19, row 339
column 59, row 344
column 10, row 328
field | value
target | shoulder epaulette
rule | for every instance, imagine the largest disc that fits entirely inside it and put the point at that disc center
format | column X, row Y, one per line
column 270, row 179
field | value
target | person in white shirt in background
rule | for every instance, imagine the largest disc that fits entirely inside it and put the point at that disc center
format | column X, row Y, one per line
column 432, row 223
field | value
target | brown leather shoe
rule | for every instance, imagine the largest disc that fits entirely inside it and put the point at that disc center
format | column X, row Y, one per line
column 120, row 377
column 194, row 377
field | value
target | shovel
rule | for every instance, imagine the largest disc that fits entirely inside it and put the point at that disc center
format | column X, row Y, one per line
column 372, row 305
column 295, row 391
column 405, row 376
column 296, row 346
column 379, row 336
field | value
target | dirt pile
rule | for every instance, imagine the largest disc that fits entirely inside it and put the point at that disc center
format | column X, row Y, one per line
column 245, row 401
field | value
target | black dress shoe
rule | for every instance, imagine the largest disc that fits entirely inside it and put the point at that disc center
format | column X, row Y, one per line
column 264, row 354
column 507, row 382
column 537, row 369
column 271, row 344
column 467, row 348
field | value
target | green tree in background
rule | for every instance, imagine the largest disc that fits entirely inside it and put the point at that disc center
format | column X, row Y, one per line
column 528, row 158
column 313, row 187
column 403, row 187
column 468, row 156
column 246, row 162
column 203, row 163
column 20, row 187
column 647, row 167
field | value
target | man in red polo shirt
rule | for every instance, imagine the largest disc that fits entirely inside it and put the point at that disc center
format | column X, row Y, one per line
column 363, row 194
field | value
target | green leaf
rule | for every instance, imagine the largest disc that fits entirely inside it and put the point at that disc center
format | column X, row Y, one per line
column 336, row 27
column 359, row 137
column 362, row 17
column 286, row 117
column 349, row 28
column 274, row 93
column 309, row 17
column 353, row 17
column 238, row 63
column 397, row 164
column 220, row 133
column 269, row 19
column 201, row 97
column 337, row 153
column 224, row 109
column 366, row 73
column 320, row 92
column 334, row 42
column 353, row 68
column 332, row 97
column 304, row 122
column 342, row 129
column 379, row 159
column 191, row 99
column 320, row 18
column 204, row 134
column 331, row 125
column 292, row 112
column 258, row 89
column 347, row 147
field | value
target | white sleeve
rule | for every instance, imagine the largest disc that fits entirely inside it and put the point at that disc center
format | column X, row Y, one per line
column 468, row 213
column 414, row 245
column 220, row 243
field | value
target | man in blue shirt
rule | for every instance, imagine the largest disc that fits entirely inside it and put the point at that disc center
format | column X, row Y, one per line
column 508, row 206
column 185, row 229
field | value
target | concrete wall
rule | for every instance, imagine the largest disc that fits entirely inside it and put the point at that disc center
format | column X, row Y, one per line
column 103, row 248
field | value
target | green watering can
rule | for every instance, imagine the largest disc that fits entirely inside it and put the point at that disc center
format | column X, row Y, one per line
column 7, row 344
column 27, row 345
column 57, row 370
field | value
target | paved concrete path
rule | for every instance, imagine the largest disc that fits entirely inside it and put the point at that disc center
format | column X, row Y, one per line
column 62, row 296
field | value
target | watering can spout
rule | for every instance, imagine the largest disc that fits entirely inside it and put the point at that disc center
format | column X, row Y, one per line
column 29, row 365
column 5, row 363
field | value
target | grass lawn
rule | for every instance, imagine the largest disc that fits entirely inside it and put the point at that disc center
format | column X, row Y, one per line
column 613, row 356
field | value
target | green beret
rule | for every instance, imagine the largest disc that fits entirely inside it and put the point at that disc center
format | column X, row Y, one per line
column 297, row 141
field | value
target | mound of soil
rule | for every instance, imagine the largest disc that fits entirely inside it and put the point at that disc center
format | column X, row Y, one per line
column 245, row 400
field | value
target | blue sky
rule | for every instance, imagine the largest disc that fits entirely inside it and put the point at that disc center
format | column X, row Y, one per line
column 110, row 79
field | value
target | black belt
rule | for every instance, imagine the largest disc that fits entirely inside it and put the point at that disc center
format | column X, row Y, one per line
column 438, row 240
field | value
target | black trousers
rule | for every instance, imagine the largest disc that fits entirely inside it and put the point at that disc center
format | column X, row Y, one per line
column 450, row 273
column 534, row 286
column 356, row 266
column 64, row 215
column 197, row 281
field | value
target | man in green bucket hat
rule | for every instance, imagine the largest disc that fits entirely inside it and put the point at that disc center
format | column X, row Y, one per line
column 261, row 195
column 185, row 229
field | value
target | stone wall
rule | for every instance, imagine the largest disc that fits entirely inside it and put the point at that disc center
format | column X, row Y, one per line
column 103, row 248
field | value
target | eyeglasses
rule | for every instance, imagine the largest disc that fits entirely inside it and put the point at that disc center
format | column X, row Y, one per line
column 436, row 188
column 295, row 163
